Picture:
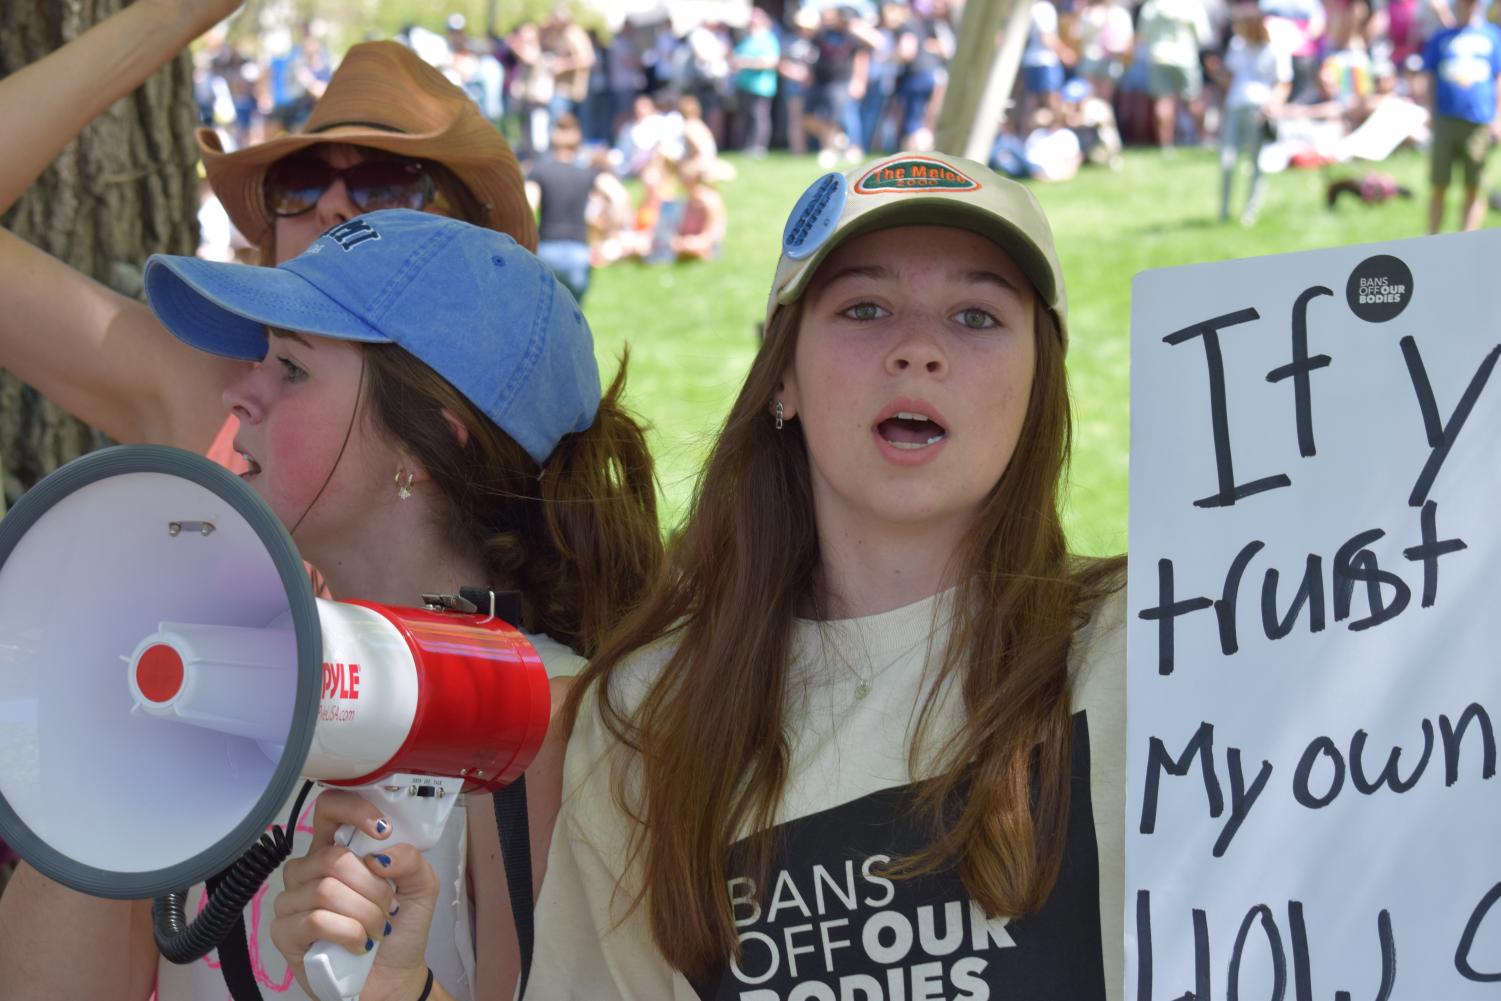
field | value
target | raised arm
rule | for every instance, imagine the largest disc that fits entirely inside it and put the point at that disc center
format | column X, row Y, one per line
column 98, row 354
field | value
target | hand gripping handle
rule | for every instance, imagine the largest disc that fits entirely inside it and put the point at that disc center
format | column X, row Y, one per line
column 417, row 808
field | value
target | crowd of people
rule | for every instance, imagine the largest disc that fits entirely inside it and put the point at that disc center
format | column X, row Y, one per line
column 586, row 109
column 868, row 651
column 1272, row 84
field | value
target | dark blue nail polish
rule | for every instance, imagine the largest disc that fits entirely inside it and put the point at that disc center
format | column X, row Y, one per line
column 394, row 909
column 381, row 827
column 383, row 859
column 387, row 931
column 369, row 944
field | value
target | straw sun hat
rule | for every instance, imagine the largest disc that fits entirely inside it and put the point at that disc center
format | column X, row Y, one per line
column 383, row 96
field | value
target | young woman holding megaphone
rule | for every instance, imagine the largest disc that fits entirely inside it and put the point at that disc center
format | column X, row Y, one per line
column 411, row 438
column 107, row 359
column 425, row 411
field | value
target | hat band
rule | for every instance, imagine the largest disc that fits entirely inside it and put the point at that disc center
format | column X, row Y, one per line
column 356, row 125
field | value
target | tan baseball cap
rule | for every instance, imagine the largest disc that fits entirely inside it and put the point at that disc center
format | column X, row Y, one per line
column 918, row 189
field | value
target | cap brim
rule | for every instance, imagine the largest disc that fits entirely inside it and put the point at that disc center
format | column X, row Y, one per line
column 915, row 210
column 224, row 309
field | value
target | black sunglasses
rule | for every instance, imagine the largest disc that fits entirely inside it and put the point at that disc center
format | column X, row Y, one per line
column 294, row 183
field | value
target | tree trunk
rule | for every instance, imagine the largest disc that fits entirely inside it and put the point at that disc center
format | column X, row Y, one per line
column 124, row 189
column 982, row 74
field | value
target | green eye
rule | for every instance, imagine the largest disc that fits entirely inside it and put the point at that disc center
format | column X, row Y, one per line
column 863, row 311
column 977, row 319
column 290, row 370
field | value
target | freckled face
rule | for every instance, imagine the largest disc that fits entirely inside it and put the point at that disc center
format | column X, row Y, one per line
column 295, row 408
column 911, row 376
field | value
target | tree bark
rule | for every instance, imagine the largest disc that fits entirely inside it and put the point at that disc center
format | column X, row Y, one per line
column 124, row 189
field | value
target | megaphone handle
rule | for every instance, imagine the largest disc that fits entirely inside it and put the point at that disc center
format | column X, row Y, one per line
column 417, row 818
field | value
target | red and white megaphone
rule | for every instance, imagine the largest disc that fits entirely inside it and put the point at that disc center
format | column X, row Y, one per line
column 167, row 678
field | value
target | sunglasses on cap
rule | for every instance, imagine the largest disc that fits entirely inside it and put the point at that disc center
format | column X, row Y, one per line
column 294, row 183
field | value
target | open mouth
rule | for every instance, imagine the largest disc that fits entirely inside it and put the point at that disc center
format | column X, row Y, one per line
column 251, row 466
column 910, row 430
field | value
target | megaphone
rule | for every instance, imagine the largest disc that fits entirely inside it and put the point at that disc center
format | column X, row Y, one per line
column 163, row 658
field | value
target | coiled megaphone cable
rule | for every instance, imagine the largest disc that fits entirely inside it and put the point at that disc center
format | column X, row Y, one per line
column 182, row 941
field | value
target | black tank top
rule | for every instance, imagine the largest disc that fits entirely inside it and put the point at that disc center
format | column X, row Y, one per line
column 565, row 196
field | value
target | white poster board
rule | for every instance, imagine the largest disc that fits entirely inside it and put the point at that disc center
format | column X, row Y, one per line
column 1315, row 627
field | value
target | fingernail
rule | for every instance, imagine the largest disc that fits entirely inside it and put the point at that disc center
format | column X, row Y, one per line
column 369, row 944
column 394, row 909
column 387, row 931
column 383, row 859
column 381, row 827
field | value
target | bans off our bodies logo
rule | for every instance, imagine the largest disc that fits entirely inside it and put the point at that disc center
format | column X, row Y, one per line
column 914, row 173
column 1379, row 288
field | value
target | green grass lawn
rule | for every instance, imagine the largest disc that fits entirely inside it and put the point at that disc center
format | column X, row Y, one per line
column 692, row 327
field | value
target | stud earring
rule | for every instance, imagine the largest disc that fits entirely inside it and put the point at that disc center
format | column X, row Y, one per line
column 781, row 413
column 404, row 484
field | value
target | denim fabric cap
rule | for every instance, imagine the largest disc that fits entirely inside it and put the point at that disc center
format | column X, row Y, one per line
column 918, row 189
column 471, row 304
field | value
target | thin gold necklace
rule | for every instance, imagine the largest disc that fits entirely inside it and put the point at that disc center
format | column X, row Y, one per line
column 864, row 681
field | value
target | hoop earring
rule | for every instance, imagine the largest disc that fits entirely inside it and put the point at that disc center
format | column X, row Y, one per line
column 404, row 485
column 781, row 412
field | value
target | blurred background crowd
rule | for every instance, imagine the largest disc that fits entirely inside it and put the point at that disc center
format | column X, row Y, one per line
column 620, row 114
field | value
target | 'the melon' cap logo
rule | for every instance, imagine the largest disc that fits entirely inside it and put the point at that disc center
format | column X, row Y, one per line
column 918, row 189
column 914, row 173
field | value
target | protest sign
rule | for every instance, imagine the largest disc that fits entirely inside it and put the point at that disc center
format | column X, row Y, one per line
column 1315, row 627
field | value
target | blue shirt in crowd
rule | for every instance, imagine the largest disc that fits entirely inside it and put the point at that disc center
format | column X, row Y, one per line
column 1465, row 63
column 758, row 45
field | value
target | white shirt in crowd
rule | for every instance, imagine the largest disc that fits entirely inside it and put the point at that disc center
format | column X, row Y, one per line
column 1255, row 70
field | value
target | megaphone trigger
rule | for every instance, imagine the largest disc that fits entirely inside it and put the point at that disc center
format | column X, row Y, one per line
column 417, row 807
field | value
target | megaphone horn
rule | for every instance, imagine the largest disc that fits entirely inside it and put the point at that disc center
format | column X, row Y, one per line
column 191, row 656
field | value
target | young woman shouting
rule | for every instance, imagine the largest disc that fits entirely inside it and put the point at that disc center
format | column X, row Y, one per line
column 866, row 739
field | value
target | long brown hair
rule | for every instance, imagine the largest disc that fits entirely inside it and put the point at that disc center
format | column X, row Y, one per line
column 713, row 748
column 577, row 536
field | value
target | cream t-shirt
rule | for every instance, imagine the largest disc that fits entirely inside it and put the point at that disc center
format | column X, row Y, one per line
column 828, row 925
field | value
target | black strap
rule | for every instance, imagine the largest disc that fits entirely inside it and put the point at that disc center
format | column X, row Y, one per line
column 516, row 854
column 234, row 955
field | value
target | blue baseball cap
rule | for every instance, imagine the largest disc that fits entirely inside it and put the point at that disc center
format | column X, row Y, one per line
column 470, row 303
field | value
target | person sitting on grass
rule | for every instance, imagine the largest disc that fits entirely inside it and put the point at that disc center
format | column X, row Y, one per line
column 704, row 221
column 1053, row 151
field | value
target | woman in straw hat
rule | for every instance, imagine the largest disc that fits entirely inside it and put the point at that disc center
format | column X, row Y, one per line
column 877, row 751
column 390, row 131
